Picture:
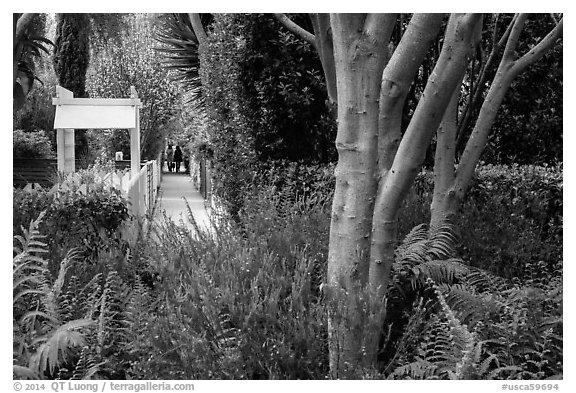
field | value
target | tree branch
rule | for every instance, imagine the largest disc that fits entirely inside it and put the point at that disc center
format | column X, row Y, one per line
column 295, row 29
column 462, row 35
column 512, row 43
column 379, row 26
column 504, row 77
column 397, row 79
column 540, row 49
column 198, row 28
column 325, row 49
column 477, row 92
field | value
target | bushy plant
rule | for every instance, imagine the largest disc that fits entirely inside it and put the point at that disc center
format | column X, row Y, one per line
column 265, row 100
column 82, row 212
column 240, row 303
column 510, row 222
column 34, row 144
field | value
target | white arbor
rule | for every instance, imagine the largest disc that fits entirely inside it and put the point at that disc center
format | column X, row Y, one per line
column 98, row 113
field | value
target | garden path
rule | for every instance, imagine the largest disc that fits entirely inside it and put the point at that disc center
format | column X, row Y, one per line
column 174, row 187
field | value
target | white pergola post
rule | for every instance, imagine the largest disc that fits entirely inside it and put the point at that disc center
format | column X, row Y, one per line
column 135, row 159
column 65, row 140
column 97, row 113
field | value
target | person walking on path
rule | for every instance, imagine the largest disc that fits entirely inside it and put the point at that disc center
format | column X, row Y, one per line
column 178, row 158
column 170, row 157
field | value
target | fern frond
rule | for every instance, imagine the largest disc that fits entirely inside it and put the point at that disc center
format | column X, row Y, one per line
column 420, row 369
column 52, row 297
column 22, row 372
column 58, row 347
column 86, row 368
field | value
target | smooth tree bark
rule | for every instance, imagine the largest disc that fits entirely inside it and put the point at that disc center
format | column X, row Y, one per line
column 395, row 86
column 360, row 53
column 376, row 164
column 449, row 192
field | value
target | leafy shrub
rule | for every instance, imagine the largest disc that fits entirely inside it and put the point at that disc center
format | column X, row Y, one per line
column 82, row 212
column 239, row 303
column 510, row 222
column 31, row 145
column 265, row 100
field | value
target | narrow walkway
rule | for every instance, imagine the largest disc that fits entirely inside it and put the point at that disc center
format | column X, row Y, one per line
column 173, row 189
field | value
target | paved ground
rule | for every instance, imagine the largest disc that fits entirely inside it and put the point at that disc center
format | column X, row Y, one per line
column 175, row 187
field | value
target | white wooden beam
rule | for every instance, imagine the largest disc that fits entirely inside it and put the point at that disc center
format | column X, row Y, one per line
column 98, row 117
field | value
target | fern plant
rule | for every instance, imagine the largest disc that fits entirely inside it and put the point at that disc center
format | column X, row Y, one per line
column 43, row 341
column 522, row 340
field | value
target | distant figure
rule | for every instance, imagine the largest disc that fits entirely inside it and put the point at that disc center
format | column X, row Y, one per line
column 170, row 157
column 119, row 156
column 178, row 158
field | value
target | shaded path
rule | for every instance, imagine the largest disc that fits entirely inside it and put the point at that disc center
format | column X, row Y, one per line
column 173, row 188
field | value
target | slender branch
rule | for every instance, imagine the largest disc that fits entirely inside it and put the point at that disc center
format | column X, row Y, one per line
column 554, row 17
column 510, row 50
column 540, row 49
column 504, row 77
column 198, row 28
column 325, row 49
column 477, row 92
column 495, row 30
column 295, row 29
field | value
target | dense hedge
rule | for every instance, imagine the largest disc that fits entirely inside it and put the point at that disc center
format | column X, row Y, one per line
column 509, row 223
column 265, row 100
column 31, row 144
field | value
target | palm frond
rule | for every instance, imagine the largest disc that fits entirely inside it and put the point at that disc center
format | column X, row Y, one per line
column 180, row 50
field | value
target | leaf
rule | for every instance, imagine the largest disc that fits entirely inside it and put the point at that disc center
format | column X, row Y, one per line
column 56, row 350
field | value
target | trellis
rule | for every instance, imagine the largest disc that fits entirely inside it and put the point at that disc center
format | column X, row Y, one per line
column 98, row 113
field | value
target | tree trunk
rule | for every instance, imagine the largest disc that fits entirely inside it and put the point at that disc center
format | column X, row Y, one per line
column 461, row 34
column 444, row 201
column 396, row 81
column 360, row 52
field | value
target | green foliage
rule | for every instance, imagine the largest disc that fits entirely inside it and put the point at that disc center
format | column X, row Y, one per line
column 27, row 52
column 31, row 145
column 37, row 112
column 71, row 325
column 43, row 342
column 134, row 62
column 265, row 100
column 180, row 50
column 510, row 222
column 72, row 52
column 467, row 322
column 82, row 212
column 239, row 303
